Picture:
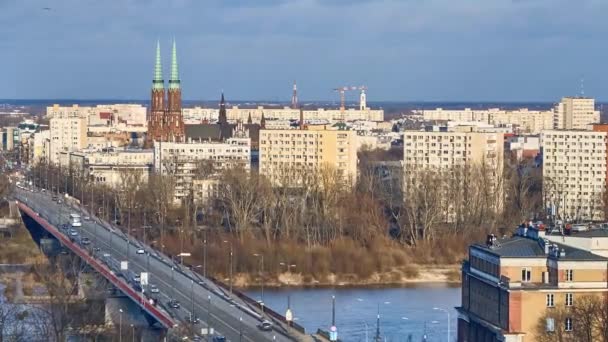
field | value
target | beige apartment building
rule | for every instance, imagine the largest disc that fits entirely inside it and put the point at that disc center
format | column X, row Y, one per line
column 111, row 166
column 185, row 162
column 111, row 115
column 574, row 173
column 570, row 113
column 446, row 149
column 68, row 132
column 514, row 287
column 40, row 146
column 576, row 113
column 288, row 155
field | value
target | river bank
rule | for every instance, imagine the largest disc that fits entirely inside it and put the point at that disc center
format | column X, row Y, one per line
column 397, row 276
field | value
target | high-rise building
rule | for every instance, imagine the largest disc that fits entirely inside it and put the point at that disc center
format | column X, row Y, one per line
column 526, row 286
column 574, row 173
column 307, row 150
column 68, row 133
column 576, row 113
column 165, row 122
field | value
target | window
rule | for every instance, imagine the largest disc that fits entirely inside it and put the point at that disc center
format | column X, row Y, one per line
column 569, row 299
column 525, row 274
column 550, row 324
column 550, row 300
column 569, row 275
column 568, row 324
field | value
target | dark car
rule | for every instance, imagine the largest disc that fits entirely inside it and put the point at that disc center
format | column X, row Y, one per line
column 85, row 241
column 193, row 320
column 173, row 304
column 219, row 339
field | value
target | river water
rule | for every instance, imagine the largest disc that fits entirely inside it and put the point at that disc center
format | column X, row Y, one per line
column 404, row 311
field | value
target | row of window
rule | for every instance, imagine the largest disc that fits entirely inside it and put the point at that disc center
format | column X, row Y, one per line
column 569, row 300
column 526, row 274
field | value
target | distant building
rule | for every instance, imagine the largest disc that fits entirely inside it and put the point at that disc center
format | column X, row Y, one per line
column 40, row 147
column 113, row 166
column 570, row 113
column 286, row 113
column 511, row 286
column 523, row 147
column 68, row 133
column 574, row 173
column 282, row 152
column 576, row 113
column 201, row 159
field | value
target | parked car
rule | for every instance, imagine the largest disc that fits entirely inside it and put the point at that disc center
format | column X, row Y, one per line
column 580, row 227
column 265, row 325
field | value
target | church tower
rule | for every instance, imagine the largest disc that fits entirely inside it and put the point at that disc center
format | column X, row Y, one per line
column 173, row 118
column 157, row 103
column 222, row 119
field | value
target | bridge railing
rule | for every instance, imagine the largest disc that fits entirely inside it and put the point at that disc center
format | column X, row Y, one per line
column 99, row 267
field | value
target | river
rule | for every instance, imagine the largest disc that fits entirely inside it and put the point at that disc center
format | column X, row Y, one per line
column 403, row 310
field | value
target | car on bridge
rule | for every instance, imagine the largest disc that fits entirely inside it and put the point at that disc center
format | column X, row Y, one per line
column 73, row 232
column 265, row 326
column 219, row 339
column 174, row 304
column 140, row 251
column 154, row 289
column 85, row 241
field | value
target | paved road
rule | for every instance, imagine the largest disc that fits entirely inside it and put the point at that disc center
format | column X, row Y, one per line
column 224, row 315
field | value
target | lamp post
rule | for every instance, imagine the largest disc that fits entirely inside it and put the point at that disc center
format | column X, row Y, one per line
column 205, row 254
column 132, row 333
column 208, row 317
column 231, row 268
column 261, row 256
column 120, row 325
column 448, row 313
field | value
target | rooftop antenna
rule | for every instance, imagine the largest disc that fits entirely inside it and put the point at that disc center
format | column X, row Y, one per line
column 583, row 86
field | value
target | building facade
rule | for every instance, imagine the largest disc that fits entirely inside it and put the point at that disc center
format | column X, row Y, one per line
column 112, row 166
column 200, row 160
column 282, row 152
column 576, row 113
column 574, row 173
column 68, row 130
column 512, row 286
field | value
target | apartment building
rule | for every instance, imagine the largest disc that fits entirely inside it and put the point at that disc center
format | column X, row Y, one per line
column 311, row 148
column 445, row 149
column 576, row 113
column 512, row 287
column 187, row 162
column 40, row 147
column 111, row 166
column 111, row 115
column 574, row 173
column 68, row 132
column 570, row 113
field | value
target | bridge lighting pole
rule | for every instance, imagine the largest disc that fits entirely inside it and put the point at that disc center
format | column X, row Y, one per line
column 231, row 254
column 240, row 329
column 261, row 256
column 192, row 315
column 208, row 317
column 120, row 325
column 205, row 254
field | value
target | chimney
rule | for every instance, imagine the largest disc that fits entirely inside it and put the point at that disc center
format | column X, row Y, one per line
column 301, row 118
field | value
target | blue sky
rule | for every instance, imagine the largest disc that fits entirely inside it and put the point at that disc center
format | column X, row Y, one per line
column 403, row 50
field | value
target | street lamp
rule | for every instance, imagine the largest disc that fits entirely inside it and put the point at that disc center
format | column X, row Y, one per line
column 230, row 271
column 261, row 256
column 120, row 325
column 132, row 333
column 448, row 313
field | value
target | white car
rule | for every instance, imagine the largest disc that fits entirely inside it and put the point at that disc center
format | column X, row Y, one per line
column 140, row 251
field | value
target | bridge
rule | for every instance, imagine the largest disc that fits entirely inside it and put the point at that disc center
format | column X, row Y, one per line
column 115, row 256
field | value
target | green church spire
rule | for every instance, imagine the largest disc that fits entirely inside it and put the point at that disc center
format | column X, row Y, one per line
column 174, row 80
column 158, row 82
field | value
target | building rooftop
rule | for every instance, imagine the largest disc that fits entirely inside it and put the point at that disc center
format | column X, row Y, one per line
column 530, row 247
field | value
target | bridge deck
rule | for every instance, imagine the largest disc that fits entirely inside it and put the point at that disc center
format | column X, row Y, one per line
column 119, row 283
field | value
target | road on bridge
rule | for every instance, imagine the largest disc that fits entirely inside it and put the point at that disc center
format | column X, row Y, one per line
column 225, row 315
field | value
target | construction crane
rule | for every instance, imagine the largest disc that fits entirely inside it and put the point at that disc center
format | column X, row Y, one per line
column 343, row 90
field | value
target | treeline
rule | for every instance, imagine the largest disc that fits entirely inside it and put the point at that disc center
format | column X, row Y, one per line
column 323, row 220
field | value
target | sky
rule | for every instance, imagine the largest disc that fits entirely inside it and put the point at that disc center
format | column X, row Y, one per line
column 402, row 50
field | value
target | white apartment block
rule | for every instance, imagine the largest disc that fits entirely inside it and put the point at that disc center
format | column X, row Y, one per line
column 40, row 146
column 283, row 152
column 574, row 173
column 439, row 150
column 111, row 115
column 576, row 113
column 114, row 167
column 286, row 113
column 182, row 160
column 68, row 133
column 570, row 113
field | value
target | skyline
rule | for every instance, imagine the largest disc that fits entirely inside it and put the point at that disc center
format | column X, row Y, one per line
column 404, row 51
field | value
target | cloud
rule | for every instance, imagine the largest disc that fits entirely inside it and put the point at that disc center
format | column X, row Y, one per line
column 403, row 49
